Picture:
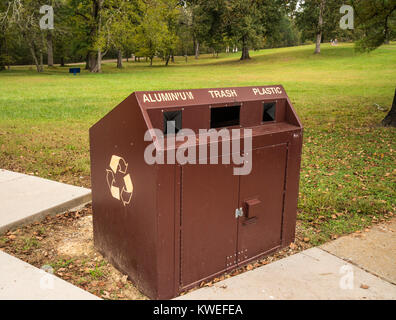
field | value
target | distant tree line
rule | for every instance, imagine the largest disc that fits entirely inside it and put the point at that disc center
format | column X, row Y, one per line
column 89, row 30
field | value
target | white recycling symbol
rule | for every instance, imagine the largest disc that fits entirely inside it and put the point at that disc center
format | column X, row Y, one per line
column 124, row 194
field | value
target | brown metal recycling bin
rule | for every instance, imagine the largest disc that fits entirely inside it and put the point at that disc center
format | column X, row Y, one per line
column 171, row 226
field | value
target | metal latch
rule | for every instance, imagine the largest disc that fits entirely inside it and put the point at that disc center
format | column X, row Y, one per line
column 238, row 213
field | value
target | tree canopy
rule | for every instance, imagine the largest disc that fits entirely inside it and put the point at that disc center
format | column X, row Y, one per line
column 88, row 30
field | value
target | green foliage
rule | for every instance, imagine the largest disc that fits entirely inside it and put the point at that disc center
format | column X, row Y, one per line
column 285, row 34
column 208, row 22
column 24, row 16
column 377, row 21
column 155, row 34
column 92, row 29
column 307, row 18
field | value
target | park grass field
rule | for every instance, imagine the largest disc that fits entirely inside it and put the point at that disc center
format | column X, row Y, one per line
column 348, row 168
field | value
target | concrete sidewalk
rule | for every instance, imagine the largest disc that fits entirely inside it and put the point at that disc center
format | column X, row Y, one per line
column 373, row 251
column 25, row 198
column 351, row 267
column 21, row 281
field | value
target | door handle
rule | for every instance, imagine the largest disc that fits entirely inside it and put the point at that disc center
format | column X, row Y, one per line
column 251, row 207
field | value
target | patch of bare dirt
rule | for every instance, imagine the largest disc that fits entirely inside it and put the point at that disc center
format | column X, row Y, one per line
column 65, row 242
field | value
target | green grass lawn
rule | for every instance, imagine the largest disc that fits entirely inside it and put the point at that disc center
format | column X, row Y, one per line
column 348, row 169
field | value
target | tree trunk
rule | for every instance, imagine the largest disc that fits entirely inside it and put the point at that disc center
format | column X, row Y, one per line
column 50, row 51
column 92, row 61
column 119, row 59
column 99, row 63
column 2, row 64
column 41, row 61
column 245, row 50
column 34, row 56
column 87, row 61
column 167, row 60
column 318, row 42
column 390, row 119
column 3, row 41
column 197, row 49
column 320, row 27
column 151, row 60
column 95, row 60
column 62, row 61
column 245, row 53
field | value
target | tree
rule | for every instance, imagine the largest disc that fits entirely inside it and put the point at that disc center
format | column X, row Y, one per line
column 285, row 34
column 207, row 24
column 50, row 40
column 248, row 21
column 122, row 19
column 24, row 16
column 155, row 34
column 184, row 30
column 377, row 20
column 319, row 29
column 88, row 17
column 317, row 19
column 5, row 59
column 171, row 15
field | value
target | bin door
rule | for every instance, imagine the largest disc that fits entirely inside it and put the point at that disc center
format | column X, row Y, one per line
column 209, row 197
column 261, row 199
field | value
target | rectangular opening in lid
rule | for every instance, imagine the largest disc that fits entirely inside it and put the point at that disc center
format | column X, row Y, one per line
column 269, row 111
column 172, row 122
column 225, row 117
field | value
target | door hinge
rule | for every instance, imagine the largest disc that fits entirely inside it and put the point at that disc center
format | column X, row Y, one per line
column 238, row 213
